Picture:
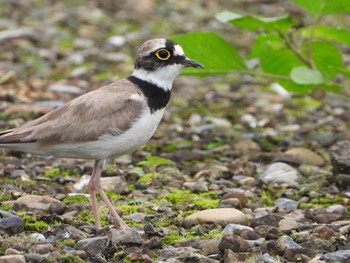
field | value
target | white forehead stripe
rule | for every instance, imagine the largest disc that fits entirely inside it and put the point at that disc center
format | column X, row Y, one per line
column 178, row 50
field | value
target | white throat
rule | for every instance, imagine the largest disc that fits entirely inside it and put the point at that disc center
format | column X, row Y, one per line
column 162, row 77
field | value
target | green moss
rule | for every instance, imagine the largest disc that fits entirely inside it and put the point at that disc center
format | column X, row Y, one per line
column 6, row 207
column 147, row 178
column 80, row 199
column 202, row 201
column 114, row 197
column 57, row 172
column 31, row 224
column 268, row 197
column 174, row 237
column 68, row 243
column 129, row 209
column 5, row 197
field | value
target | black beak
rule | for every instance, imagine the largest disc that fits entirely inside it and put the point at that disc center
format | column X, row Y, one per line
column 191, row 63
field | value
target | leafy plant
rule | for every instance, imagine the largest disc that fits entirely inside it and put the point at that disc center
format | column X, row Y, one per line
column 298, row 57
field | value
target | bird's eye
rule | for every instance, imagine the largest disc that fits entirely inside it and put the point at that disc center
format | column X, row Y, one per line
column 163, row 54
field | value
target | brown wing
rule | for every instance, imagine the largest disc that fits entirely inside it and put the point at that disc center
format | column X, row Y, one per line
column 109, row 109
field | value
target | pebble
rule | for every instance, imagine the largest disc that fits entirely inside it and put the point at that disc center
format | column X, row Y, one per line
column 220, row 216
column 207, row 246
column 124, row 237
column 12, row 259
column 286, row 242
column 43, row 248
column 136, row 217
column 266, row 219
column 235, row 229
column 248, row 148
column 12, row 251
column 116, row 41
column 10, row 223
column 301, row 156
column 266, row 258
column 338, row 256
column 65, row 88
column 37, row 237
column 181, row 254
column 116, row 184
column 287, row 205
column 340, row 157
column 281, row 174
column 321, row 215
column 230, row 256
column 92, row 246
column 234, row 243
column 34, row 203
column 19, row 33
column 287, row 225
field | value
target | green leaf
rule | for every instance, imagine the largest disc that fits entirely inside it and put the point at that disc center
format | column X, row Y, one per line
column 326, row 57
column 216, row 54
column 340, row 35
column 253, row 23
column 318, row 8
column 306, row 75
column 345, row 72
column 154, row 161
column 265, row 44
column 291, row 86
column 313, row 7
column 280, row 62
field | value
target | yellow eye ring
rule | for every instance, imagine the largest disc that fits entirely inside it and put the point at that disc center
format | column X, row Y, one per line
column 163, row 54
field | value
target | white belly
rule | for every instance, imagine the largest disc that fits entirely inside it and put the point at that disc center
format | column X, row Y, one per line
column 106, row 146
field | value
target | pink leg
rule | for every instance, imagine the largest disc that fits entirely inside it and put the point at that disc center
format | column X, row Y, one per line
column 95, row 186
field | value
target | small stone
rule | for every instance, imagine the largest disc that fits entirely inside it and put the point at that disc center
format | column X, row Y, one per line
column 124, row 237
column 116, row 184
column 31, row 257
column 19, row 33
column 248, row 148
column 301, row 156
column 321, row 215
column 243, row 180
column 268, row 219
column 248, row 234
column 280, row 174
column 13, row 259
column 235, row 229
column 325, row 232
column 230, row 256
column 266, row 231
column 266, row 258
column 116, row 41
column 234, row 243
column 337, row 256
column 336, row 209
column 37, row 237
column 340, row 157
column 207, row 246
column 10, row 223
column 343, row 181
column 220, row 216
column 242, row 198
column 78, row 253
column 229, row 203
column 136, row 217
column 34, row 203
column 65, row 88
column 286, row 242
column 12, row 251
column 287, row 224
column 43, row 248
column 181, row 254
column 93, row 246
column 286, row 204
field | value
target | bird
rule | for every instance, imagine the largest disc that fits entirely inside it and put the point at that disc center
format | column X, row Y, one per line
column 108, row 122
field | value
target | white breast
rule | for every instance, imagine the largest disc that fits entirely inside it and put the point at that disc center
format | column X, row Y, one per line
column 110, row 145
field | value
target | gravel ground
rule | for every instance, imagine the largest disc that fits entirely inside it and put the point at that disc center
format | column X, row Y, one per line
column 236, row 172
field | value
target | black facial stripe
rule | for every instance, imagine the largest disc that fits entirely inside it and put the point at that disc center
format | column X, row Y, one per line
column 151, row 62
column 157, row 98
